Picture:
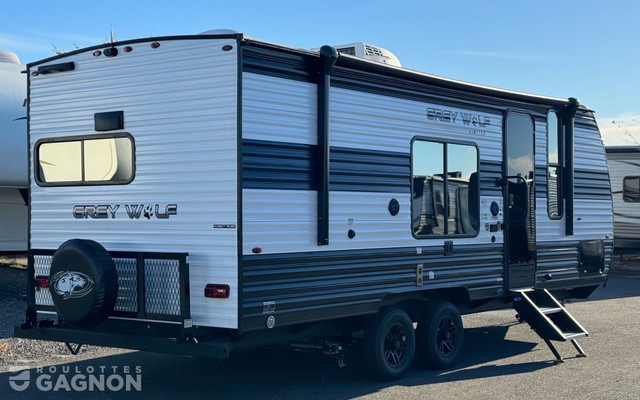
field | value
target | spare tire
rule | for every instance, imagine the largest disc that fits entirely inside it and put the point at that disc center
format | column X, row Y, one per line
column 83, row 282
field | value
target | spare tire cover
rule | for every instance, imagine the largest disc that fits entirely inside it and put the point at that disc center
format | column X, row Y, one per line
column 83, row 282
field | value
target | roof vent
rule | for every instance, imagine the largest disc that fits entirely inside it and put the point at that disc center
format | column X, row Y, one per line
column 369, row 52
column 8, row 57
column 220, row 32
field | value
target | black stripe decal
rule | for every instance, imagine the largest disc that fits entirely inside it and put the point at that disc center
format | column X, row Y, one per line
column 627, row 216
column 490, row 173
column 290, row 166
column 541, row 181
column 561, row 261
column 587, row 184
column 279, row 63
column 312, row 286
column 333, row 284
column 272, row 165
column 369, row 171
column 587, row 121
column 276, row 165
column 593, row 185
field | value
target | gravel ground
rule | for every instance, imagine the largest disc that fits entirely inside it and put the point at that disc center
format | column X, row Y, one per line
column 13, row 293
column 13, row 296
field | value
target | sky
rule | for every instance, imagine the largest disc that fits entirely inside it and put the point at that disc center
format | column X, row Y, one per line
column 587, row 49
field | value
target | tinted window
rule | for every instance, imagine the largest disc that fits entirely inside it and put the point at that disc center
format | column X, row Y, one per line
column 444, row 189
column 520, row 145
column 101, row 160
column 427, row 205
column 462, row 187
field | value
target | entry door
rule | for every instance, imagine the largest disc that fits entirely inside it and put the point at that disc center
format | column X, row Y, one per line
column 519, row 192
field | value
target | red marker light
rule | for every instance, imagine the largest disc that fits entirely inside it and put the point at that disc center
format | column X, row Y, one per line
column 42, row 281
column 154, row 45
column 97, row 53
column 127, row 49
column 216, row 291
column 256, row 250
column 227, row 47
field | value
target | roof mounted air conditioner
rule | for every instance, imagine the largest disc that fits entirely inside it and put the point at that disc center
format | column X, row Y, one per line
column 369, row 52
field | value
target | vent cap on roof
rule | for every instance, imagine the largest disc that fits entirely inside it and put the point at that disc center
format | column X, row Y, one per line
column 220, row 32
column 369, row 52
column 8, row 57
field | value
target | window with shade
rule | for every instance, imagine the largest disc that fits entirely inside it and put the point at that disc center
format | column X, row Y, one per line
column 97, row 160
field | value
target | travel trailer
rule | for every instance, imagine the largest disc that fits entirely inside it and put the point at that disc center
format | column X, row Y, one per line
column 206, row 194
column 13, row 155
column 624, row 168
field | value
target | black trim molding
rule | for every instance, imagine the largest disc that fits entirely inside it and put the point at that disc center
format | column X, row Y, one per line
column 328, row 57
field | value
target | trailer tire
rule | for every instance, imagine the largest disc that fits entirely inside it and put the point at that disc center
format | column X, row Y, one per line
column 83, row 283
column 440, row 335
column 389, row 344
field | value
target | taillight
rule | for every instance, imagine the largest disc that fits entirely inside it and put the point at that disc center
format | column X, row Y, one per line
column 216, row 291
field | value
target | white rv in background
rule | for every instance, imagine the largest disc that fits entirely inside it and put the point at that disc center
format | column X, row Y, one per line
column 13, row 155
column 624, row 169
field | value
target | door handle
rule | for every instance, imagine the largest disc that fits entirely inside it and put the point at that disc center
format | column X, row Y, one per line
column 503, row 181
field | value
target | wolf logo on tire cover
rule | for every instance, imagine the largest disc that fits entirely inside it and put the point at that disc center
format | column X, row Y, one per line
column 70, row 285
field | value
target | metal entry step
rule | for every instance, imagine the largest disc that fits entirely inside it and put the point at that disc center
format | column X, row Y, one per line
column 548, row 318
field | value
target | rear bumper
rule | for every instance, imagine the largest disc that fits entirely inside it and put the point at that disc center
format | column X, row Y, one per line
column 217, row 348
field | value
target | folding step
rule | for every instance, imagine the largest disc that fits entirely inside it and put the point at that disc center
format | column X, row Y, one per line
column 548, row 318
column 550, row 310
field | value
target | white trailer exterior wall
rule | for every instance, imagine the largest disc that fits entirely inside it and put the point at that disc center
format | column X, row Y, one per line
column 283, row 111
column 180, row 105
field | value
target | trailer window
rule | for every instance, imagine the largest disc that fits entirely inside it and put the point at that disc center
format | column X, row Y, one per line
column 631, row 189
column 444, row 189
column 554, row 183
column 101, row 160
